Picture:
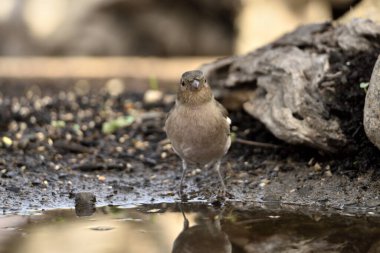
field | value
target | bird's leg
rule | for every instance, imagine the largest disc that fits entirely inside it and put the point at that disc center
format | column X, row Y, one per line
column 206, row 169
column 184, row 168
column 217, row 167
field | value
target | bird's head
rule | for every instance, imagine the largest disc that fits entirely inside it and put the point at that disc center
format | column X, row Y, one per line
column 193, row 88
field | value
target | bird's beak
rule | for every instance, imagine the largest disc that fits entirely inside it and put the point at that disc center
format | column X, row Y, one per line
column 195, row 84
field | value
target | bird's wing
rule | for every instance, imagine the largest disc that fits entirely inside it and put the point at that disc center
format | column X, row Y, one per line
column 223, row 111
column 225, row 115
column 221, row 108
column 167, row 116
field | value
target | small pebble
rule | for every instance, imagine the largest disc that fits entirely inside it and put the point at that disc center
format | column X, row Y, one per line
column 317, row 167
column 7, row 141
column 328, row 173
column 101, row 178
column 115, row 86
column 264, row 182
column 152, row 96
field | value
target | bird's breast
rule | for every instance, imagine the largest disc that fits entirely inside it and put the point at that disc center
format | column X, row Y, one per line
column 198, row 134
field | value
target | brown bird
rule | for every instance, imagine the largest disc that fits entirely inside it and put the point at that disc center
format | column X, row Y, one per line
column 198, row 126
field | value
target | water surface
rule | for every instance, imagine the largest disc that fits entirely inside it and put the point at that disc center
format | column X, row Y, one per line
column 189, row 228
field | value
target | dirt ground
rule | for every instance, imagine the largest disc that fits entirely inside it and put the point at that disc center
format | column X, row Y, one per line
column 53, row 146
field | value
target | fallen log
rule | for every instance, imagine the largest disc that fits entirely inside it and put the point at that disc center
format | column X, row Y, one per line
column 305, row 87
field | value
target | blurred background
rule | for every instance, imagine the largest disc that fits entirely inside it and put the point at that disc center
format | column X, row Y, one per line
column 173, row 31
column 157, row 28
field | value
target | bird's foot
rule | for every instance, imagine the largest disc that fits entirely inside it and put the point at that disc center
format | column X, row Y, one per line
column 219, row 200
column 224, row 194
column 229, row 195
column 183, row 197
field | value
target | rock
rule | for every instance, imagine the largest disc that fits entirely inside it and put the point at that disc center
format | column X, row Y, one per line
column 372, row 107
column 305, row 87
column 66, row 146
column 14, row 189
column 85, row 203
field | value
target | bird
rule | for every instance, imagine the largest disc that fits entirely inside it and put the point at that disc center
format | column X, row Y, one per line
column 198, row 126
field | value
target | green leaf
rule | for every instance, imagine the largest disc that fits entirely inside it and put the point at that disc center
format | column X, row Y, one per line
column 58, row 123
column 364, row 85
column 112, row 126
column 153, row 83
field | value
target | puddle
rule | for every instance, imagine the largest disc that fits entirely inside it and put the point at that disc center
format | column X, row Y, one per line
column 199, row 228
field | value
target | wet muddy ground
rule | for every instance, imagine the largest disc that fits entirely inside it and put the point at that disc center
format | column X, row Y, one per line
column 190, row 228
column 58, row 140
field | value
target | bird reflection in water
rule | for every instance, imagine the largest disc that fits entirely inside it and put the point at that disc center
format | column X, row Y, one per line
column 206, row 237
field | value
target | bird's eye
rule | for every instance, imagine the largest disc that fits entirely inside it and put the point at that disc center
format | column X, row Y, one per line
column 205, row 81
column 183, row 83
